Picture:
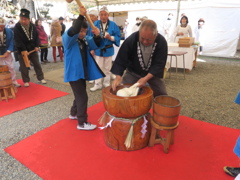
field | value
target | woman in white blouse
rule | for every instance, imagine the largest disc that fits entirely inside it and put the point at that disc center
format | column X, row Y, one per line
column 183, row 30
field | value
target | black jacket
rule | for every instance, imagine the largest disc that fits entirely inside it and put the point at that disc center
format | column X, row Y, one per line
column 127, row 57
column 21, row 40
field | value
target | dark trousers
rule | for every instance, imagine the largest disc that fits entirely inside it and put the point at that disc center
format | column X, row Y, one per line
column 44, row 53
column 33, row 57
column 16, row 56
column 80, row 102
column 155, row 83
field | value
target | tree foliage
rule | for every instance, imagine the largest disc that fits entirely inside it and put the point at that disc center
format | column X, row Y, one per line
column 74, row 9
column 45, row 10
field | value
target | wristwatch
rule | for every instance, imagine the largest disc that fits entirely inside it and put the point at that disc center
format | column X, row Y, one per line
column 8, row 51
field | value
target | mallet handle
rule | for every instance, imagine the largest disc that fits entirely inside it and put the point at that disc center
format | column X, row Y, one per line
column 31, row 51
column 87, row 16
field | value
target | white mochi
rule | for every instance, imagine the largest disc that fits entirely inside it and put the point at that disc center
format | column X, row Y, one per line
column 129, row 92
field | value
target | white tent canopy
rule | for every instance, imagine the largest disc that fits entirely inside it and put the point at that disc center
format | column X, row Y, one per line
column 222, row 20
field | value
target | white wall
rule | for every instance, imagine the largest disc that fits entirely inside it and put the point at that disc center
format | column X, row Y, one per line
column 119, row 20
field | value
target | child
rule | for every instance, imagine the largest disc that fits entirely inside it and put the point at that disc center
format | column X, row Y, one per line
column 80, row 66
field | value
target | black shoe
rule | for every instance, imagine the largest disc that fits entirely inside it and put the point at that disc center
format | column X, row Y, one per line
column 58, row 55
column 232, row 171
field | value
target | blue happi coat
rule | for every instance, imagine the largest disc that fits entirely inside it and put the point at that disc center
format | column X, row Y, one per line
column 113, row 30
column 237, row 147
column 9, row 41
column 73, row 64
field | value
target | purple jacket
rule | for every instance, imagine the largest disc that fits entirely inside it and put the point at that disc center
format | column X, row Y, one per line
column 42, row 35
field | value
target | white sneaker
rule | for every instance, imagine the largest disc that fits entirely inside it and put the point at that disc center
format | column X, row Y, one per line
column 43, row 81
column 26, row 84
column 91, row 82
column 94, row 88
column 16, row 84
column 72, row 117
column 86, row 126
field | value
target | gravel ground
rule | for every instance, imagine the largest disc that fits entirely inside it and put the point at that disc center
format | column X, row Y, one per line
column 207, row 94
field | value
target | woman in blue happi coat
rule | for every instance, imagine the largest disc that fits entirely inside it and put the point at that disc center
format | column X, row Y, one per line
column 80, row 66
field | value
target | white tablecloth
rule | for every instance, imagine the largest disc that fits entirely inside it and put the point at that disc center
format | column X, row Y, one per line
column 189, row 57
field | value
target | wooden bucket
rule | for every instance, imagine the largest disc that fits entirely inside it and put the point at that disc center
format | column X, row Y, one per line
column 5, row 79
column 115, row 136
column 3, row 68
column 166, row 110
column 127, row 107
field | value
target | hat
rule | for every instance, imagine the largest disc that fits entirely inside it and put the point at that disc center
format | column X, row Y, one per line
column 104, row 8
column 61, row 18
column 2, row 21
column 93, row 12
column 25, row 13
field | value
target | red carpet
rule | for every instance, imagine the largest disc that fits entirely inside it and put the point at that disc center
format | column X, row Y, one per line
column 29, row 96
column 61, row 152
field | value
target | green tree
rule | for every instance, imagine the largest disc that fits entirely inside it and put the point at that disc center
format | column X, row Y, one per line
column 45, row 10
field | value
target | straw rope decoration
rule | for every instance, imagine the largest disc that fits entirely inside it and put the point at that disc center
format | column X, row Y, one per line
column 128, row 141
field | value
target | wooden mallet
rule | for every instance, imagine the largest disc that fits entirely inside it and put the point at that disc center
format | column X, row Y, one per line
column 25, row 57
column 87, row 16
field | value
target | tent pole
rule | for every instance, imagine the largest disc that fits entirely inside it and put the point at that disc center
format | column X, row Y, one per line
column 178, row 9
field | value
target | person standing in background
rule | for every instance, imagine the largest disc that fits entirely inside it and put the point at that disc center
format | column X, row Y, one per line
column 93, row 14
column 126, row 29
column 182, row 30
column 168, row 27
column 200, row 34
column 43, row 37
column 137, row 25
column 56, row 38
column 111, row 34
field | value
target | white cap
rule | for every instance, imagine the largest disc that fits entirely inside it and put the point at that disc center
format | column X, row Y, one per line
column 93, row 12
column 2, row 21
column 104, row 8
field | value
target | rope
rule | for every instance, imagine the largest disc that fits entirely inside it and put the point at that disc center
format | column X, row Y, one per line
column 128, row 141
